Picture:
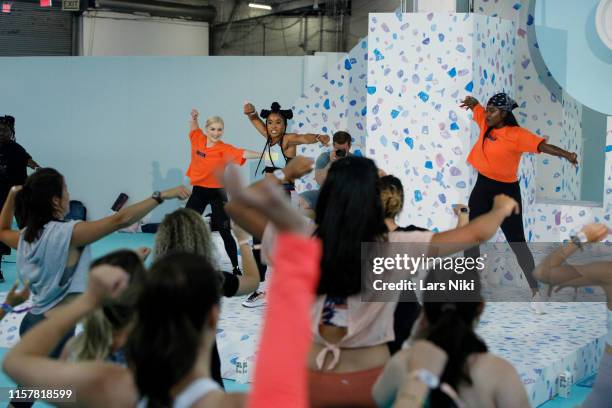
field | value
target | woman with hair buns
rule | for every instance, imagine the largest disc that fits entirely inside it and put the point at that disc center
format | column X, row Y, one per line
column 496, row 156
column 209, row 156
column 274, row 130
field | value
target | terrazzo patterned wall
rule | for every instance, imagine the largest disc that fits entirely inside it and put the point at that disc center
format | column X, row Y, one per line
column 542, row 111
column 543, row 222
column 336, row 102
column 420, row 67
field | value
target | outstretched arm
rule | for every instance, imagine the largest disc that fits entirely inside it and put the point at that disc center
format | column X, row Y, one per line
column 251, row 154
column 479, row 230
column 87, row 232
column 256, row 121
column 294, row 139
column 559, row 152
column 32, row 164
column 554, row 271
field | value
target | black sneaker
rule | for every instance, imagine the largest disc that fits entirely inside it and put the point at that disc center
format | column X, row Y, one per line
column 236, row 271
column 1, row 277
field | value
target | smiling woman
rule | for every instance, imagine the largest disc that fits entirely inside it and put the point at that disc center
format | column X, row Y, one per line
column 496, row 156
column 209, row 156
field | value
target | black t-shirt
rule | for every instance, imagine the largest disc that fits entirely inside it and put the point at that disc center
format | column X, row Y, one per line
column 230, row 284
column 13, row 164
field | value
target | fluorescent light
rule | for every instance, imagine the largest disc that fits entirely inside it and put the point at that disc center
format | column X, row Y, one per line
column 260, row 6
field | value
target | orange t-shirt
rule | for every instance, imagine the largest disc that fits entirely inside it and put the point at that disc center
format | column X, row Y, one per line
column 499, row 159
column 206, row 161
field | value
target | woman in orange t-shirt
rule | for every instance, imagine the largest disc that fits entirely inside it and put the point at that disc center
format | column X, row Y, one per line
column 496, row 156
column 209, row 155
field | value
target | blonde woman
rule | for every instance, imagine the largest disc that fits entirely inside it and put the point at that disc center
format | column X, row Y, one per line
column 105, row 332
column 209, row 156
column 184, row 231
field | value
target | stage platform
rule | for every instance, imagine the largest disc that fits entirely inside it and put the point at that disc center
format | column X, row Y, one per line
column 568, row 337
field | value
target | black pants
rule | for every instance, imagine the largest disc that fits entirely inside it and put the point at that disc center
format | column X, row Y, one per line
column 481, row 202
column 216, row 197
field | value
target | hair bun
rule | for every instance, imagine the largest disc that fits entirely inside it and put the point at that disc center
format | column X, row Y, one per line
column 275, row 107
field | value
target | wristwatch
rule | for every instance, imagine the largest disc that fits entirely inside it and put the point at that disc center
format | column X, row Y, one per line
column 157, row 197
column 464, row 210
column 427, row 377
column 279, row 174
column 579, row 239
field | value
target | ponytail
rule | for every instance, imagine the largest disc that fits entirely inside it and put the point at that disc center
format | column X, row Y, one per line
column 34, row 206
column 451, row 317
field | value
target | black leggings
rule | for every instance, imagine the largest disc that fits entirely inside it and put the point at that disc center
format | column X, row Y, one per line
column 216, row 197
column 481, row 202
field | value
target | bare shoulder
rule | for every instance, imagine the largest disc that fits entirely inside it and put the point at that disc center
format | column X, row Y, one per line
column 108, row 385
column 491, row 366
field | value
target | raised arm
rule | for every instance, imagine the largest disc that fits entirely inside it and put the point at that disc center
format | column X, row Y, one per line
column 256, row 121
column 193, row 124
column 469, row 103
column 87, row 232
column 462, row 212
column 28, row 362
column 248, row 282
column 559, row 152
column 238, row 207
column 7, row 234
column 479, row 230
column 286, row 335
column 15, row 298
column 554, row 271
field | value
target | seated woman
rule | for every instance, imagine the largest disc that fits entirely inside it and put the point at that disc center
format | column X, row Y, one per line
column 554, row 271
column 54, row 255
column 184, row 231
column 351, row 336
column 408, row 309
column 472, row 377
column 169, row 348
column 105, row 332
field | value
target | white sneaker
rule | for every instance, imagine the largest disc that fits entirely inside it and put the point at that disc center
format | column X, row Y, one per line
column 537, row 304
column 256, row 299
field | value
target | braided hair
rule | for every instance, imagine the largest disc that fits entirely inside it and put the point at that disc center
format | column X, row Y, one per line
column 7, row 124
column 285, row 115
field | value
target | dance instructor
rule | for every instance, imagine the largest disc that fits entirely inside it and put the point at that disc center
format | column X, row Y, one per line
column 274, row 130
column 496, row 156
column 209, row 155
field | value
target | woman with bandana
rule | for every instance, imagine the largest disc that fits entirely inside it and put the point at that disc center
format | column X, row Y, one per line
column 496, row 156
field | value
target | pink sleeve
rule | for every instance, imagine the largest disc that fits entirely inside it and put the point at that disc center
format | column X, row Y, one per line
column 281, row 367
